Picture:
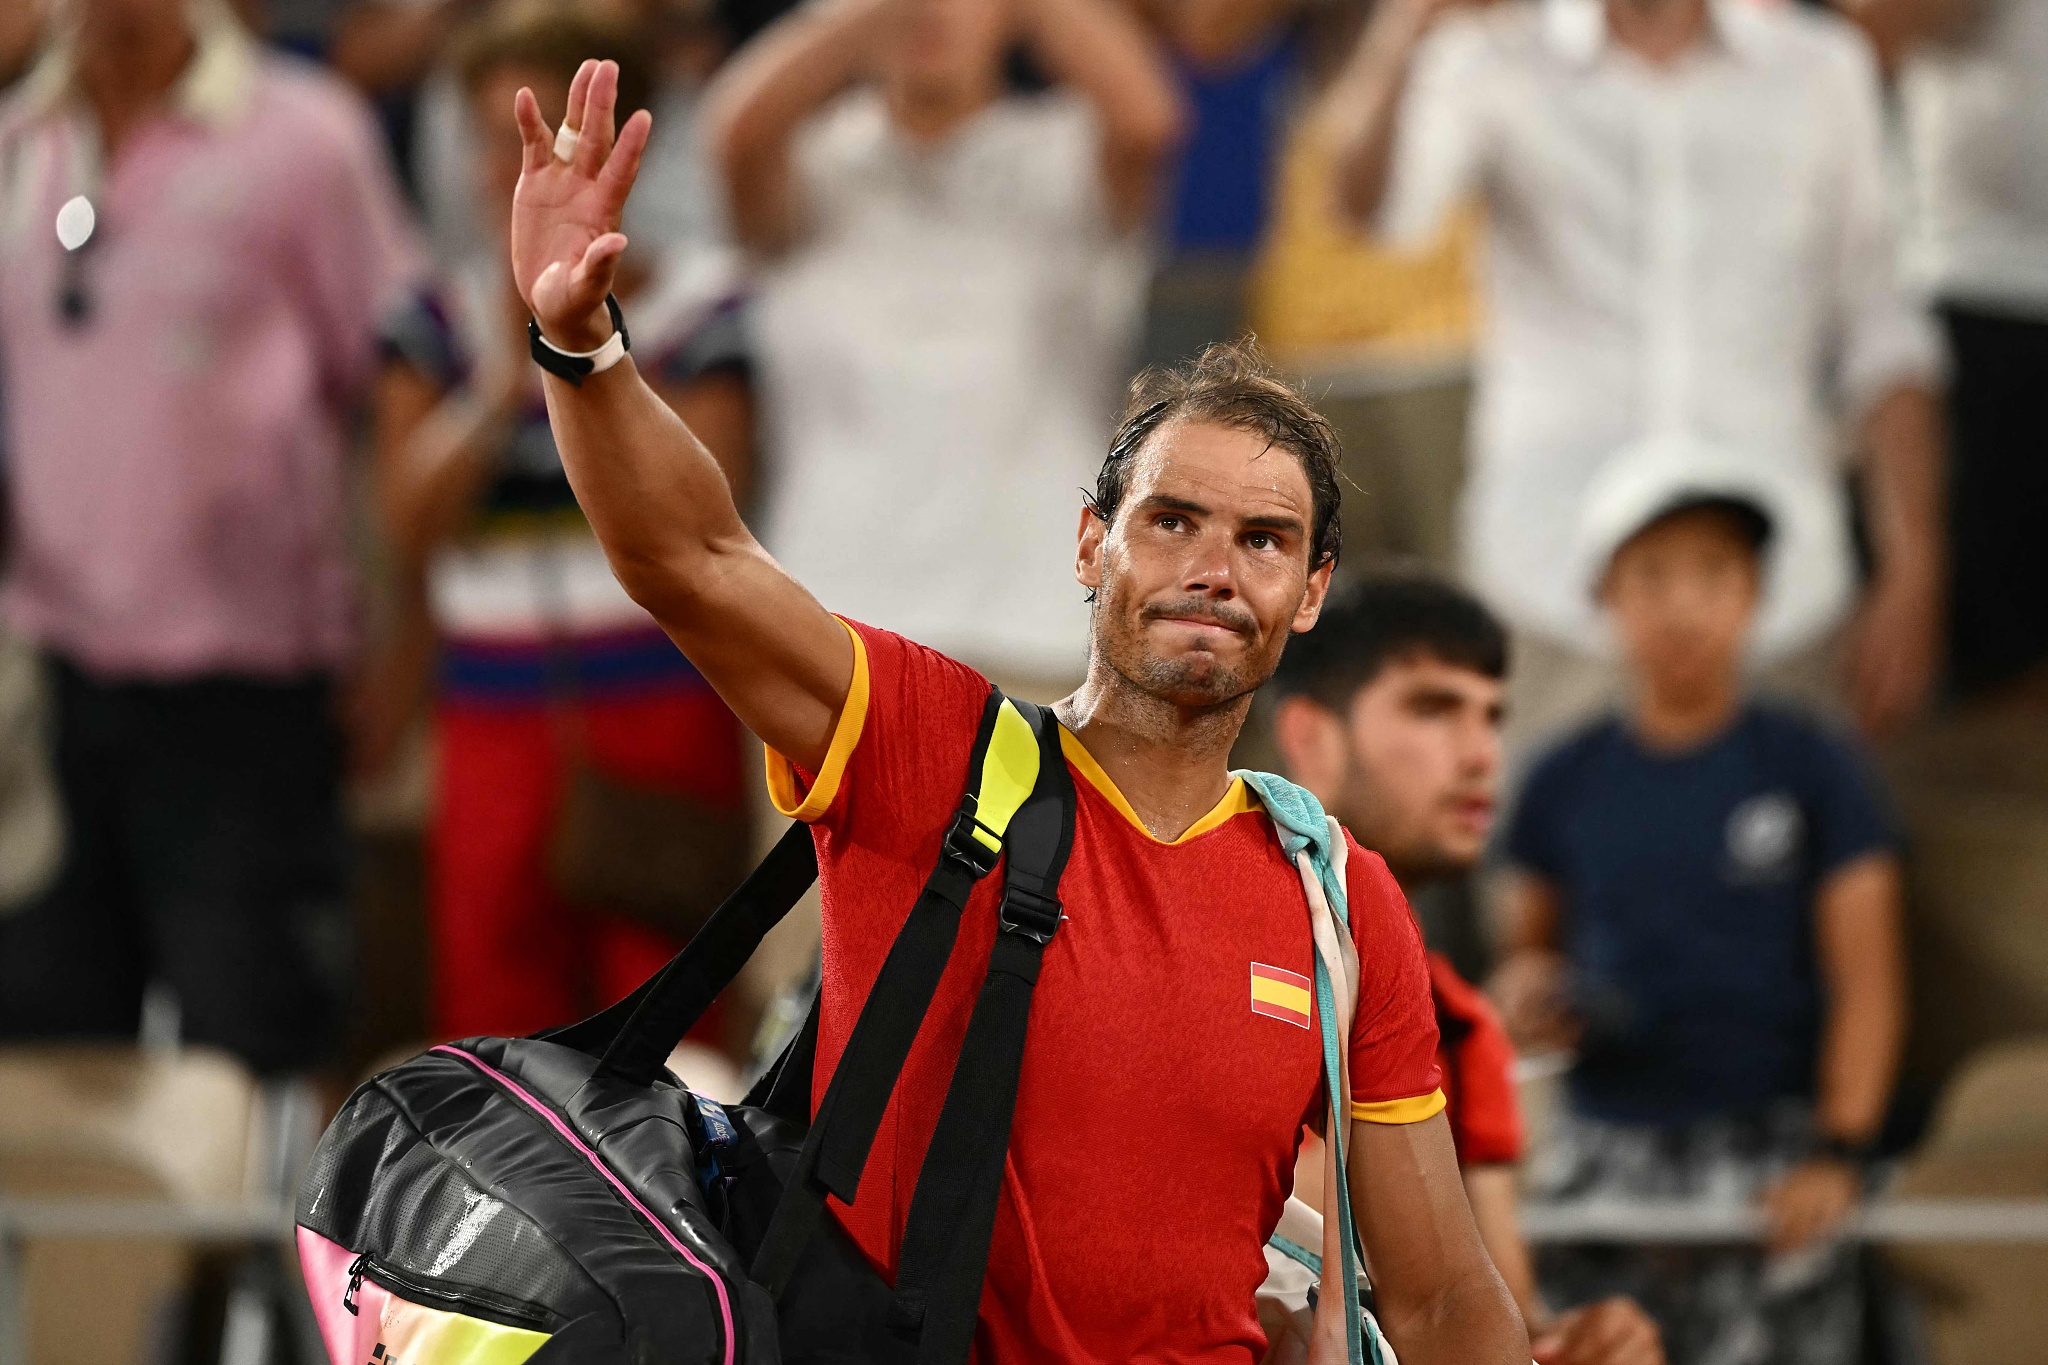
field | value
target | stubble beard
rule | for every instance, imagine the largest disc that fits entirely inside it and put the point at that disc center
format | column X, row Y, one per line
column 1195, row 681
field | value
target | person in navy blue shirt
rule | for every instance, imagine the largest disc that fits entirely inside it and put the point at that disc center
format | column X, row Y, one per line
column 1706, row 910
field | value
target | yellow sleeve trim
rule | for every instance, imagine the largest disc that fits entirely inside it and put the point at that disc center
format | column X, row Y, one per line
column 1414, row 1109
column 784, row 788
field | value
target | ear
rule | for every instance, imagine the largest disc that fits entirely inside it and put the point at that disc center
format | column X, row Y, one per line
column 1088, row 553
column 1311, row 744
column 1311, row 608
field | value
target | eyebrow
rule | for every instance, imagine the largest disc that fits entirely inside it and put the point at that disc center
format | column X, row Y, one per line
column 1162, row 502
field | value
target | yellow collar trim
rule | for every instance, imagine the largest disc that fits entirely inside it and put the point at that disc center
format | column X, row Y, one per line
column 1237, row 801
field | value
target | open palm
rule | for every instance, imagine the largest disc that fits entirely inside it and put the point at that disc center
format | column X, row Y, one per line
column 565, row 214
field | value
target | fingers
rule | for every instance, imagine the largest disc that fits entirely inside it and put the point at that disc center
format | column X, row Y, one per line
column 1781, row 1212
column 1611, row 1332
column 623, row 166
column 579, row 92
column 600, row 261
column 601, row 96
column 1807, row 1205
column 536, row 144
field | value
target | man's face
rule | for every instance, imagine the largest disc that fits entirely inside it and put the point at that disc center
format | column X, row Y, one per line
column 1412, row 768
column 939, row 48
column 1681, row 594
column 1204, row 572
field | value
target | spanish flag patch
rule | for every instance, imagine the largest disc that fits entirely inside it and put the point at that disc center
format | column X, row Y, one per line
column 1280, row 994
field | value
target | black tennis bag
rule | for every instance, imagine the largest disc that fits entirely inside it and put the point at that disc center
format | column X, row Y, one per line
column 564, row 1200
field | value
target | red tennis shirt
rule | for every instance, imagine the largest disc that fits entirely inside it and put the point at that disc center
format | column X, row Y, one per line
column 1478, row 1064
column 1166, row 1078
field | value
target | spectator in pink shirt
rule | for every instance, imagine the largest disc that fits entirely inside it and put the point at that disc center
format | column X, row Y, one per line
column 176, row 389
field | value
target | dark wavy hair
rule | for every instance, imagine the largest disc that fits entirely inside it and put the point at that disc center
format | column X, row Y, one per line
column 1382, row 620
column 1230, row 384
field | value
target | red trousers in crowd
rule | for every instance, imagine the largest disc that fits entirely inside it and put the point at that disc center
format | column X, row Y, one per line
column 510, row 955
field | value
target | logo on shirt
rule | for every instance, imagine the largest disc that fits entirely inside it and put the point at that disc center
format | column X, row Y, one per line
column 1764, row 837
column 1279, row 994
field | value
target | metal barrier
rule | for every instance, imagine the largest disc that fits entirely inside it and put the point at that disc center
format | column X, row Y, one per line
column 237, row 1224
column 1893, row 1221
column 2002, row 1221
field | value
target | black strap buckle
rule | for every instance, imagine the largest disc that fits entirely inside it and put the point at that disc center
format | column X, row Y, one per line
column 961, row 843
column 1030, row 914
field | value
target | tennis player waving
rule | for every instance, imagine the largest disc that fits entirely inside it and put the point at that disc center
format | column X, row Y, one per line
column 1173, row 1057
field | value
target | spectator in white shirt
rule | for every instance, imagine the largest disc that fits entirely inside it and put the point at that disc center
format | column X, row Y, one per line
column 1973, row 85
column 952, row 287
column 1687, row 237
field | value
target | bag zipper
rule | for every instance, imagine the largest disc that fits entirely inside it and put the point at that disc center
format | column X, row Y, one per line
column 468, row 1302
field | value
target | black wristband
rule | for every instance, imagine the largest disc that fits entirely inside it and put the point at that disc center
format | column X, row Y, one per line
column 567, row 364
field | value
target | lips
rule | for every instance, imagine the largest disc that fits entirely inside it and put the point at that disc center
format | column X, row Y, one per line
column 1200, row 623
column 1473, row 810
column 1184, row 613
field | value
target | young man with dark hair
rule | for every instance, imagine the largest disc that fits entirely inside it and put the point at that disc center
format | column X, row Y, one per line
column 1390, row 713
column 1159, row 1111
column 1706, row 907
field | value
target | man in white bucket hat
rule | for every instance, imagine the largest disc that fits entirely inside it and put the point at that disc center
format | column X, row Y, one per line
column 1705, row 907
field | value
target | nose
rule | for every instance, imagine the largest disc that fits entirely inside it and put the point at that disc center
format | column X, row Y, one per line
column 1210, row 570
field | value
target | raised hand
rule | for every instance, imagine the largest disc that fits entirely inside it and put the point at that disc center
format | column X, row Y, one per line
column 565, row 214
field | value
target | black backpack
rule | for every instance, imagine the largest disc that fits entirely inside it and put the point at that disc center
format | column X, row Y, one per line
column 563, row 1199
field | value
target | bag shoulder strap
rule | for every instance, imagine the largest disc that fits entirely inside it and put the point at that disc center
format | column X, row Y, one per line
column 634, row 1037
column 1004, row 768
column 944, row 1256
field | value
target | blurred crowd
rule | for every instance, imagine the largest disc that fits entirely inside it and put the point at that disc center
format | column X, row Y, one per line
column 1687, row 358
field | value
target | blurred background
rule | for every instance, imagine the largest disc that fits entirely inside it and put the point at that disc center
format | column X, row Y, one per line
column 325, row 732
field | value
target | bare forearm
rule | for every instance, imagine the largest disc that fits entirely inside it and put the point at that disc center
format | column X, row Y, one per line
column 1859, row 1057
column 1862, row 964
column 1361, row 112
column 1100, row 50
column 766, row 92
column 1491, row 1190
column 654, row 494
column 1217, row 30
column 1440, row 1298
column 1896, row 27
column 1907, row 502
column 1472, row 1322
column 445, row 465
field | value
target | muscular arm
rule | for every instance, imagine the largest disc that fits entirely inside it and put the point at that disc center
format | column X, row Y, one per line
column 660, row 504
column 1439, row 1297
column 764, row 94
column 1100, row 50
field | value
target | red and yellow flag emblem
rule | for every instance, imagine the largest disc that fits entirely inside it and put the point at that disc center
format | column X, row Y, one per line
column 1280, row 994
